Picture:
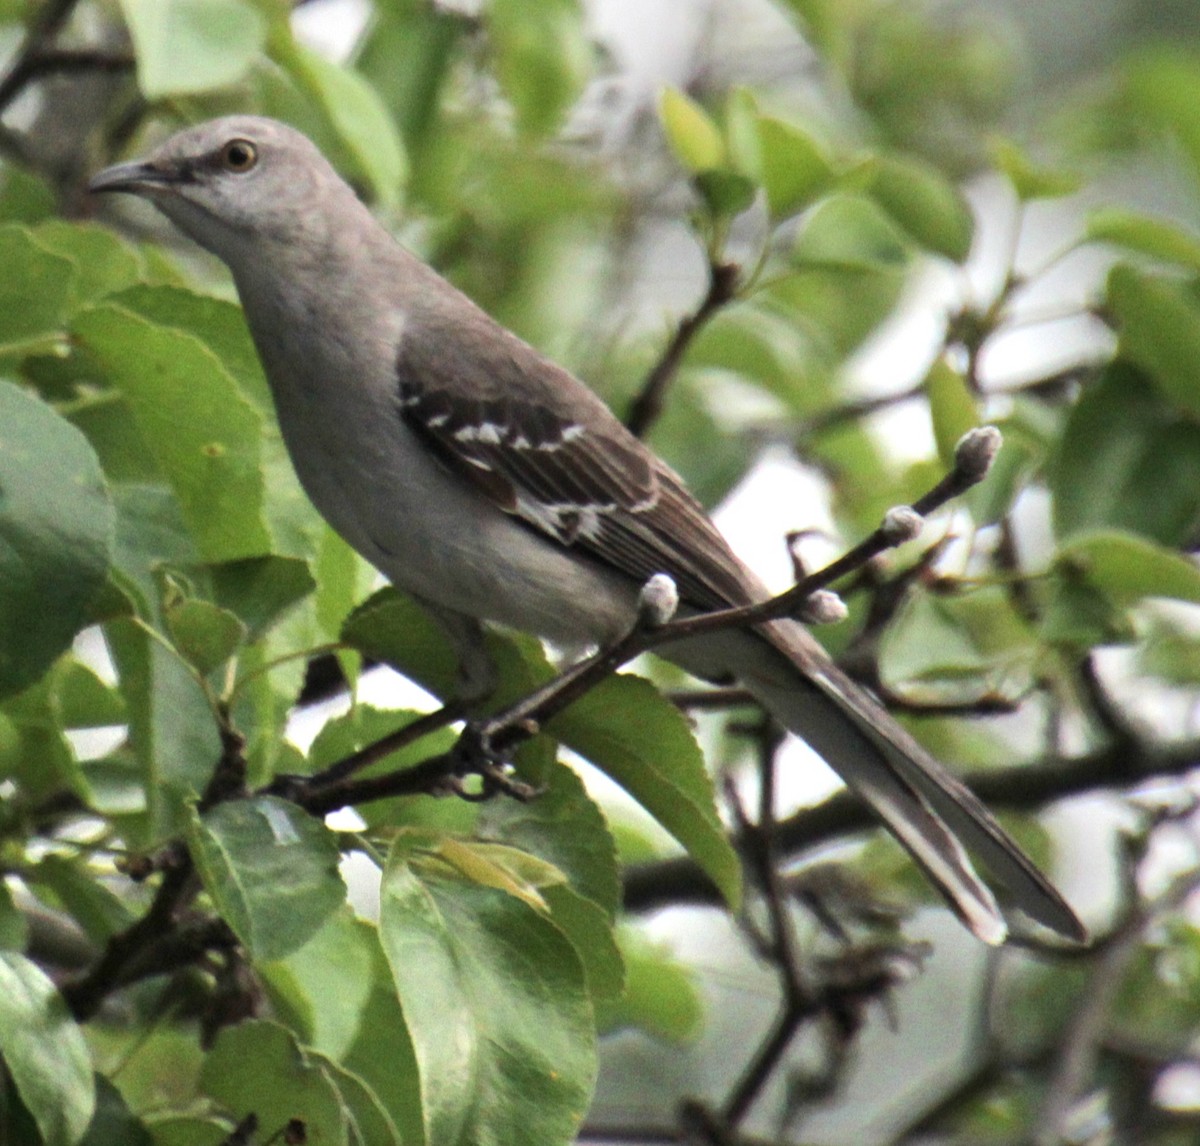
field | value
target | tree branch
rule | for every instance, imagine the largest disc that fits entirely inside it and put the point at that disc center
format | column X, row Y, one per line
column 85, row 995
column 25, row 64
column 648, row 404
column 1082, row 1040
column 1021, row 788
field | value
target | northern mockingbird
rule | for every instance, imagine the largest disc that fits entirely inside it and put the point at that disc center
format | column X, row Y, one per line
column 493, row 485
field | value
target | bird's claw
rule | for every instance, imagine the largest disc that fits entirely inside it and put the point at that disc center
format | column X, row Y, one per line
column 479, row 757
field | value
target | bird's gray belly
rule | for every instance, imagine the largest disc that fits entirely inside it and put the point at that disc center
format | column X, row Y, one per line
column 437, row 537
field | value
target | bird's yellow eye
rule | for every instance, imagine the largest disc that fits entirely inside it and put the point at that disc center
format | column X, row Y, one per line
column 239, row 156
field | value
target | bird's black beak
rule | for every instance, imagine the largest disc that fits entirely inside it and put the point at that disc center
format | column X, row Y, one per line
column 137, row 178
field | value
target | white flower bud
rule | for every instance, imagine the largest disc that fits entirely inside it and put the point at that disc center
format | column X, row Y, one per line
column 901, row 523
column 658, row 600
column 823, row 607
column 975, row 452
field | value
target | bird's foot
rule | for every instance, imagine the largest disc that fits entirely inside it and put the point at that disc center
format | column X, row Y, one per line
column 483, row 769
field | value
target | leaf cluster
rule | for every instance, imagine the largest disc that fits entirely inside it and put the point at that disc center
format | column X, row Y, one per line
column 181, row 962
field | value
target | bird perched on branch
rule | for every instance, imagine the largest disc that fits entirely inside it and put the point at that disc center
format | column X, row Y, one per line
column 494, row 486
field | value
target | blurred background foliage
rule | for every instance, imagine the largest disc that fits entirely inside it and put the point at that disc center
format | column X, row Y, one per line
column 941, row 214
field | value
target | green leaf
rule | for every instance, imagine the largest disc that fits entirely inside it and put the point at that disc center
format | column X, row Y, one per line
column 81, row 698
column 45, row 1052
column 35, row 291
column 660, row 996
column 566, row 828
column 633, row 734
column 192, row 45
column 408, row 54
column 259, row 1067
column 260, row 590
column 34, row 750
column 151, row 535
column 725, row 192
column 1128, row 567
column 329, row 979
column 363, row 725
column 1158, row 238
column 1160, row 332
column 758, row 346
column 850, row 232
column 56, row 535
column 624, row 726
column 925, row 203
column 497, row 1007
column 295, row 527
column 1171, row 656
column 1021, row 454
column 271, row 869
column 951, row 406
column 14, row 927
column 189, row 1130
column 1126, row 460
column 25, row 197
column 205, row 634
column 113, row 1124
column 590, row 931
column 391, row 627
column 357, row 115
column 506, row 869
column 792, row 168
column 370, row 1124
column 79, row 891
column 741, row 132
column 1079, row 616
column 204, row 434
column 543, row 58
column 382, row 1053
column 1029, row 180
column 957, row 648
column 693, row 136
column 103, row 262
column 172, row 735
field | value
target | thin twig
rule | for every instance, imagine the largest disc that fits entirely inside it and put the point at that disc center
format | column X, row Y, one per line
column 1024, row 787
column 52, row 60
column 853, row 411
column 45, row 27
column 759, row 846
column 1081, row 1042
column 648, row 404
column 380, row 749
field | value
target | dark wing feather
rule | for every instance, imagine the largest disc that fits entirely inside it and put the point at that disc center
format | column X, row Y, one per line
column 545, row 449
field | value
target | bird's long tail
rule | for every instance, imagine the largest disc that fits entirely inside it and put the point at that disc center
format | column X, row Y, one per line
column 931, row 812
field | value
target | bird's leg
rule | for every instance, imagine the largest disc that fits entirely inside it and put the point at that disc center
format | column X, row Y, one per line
column 477, row 753
column 477, row 672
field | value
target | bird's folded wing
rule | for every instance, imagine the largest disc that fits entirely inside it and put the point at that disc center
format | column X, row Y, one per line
column 549, row 452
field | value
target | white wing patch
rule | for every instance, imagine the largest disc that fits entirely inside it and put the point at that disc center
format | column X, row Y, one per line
column 567, row 522
column 494, row 434
column 486, row 432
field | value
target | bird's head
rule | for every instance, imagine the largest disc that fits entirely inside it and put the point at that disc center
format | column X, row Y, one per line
column 237, row 185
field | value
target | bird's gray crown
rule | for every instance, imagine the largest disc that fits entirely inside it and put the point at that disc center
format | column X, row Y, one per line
column 241, row 176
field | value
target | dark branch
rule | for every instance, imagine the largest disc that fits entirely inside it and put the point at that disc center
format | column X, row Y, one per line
column 25, row 64
column 86, row 994
column 1021, row 788
column 648, row 404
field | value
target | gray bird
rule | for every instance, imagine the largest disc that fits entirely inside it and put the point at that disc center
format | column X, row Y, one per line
column 493, row 485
